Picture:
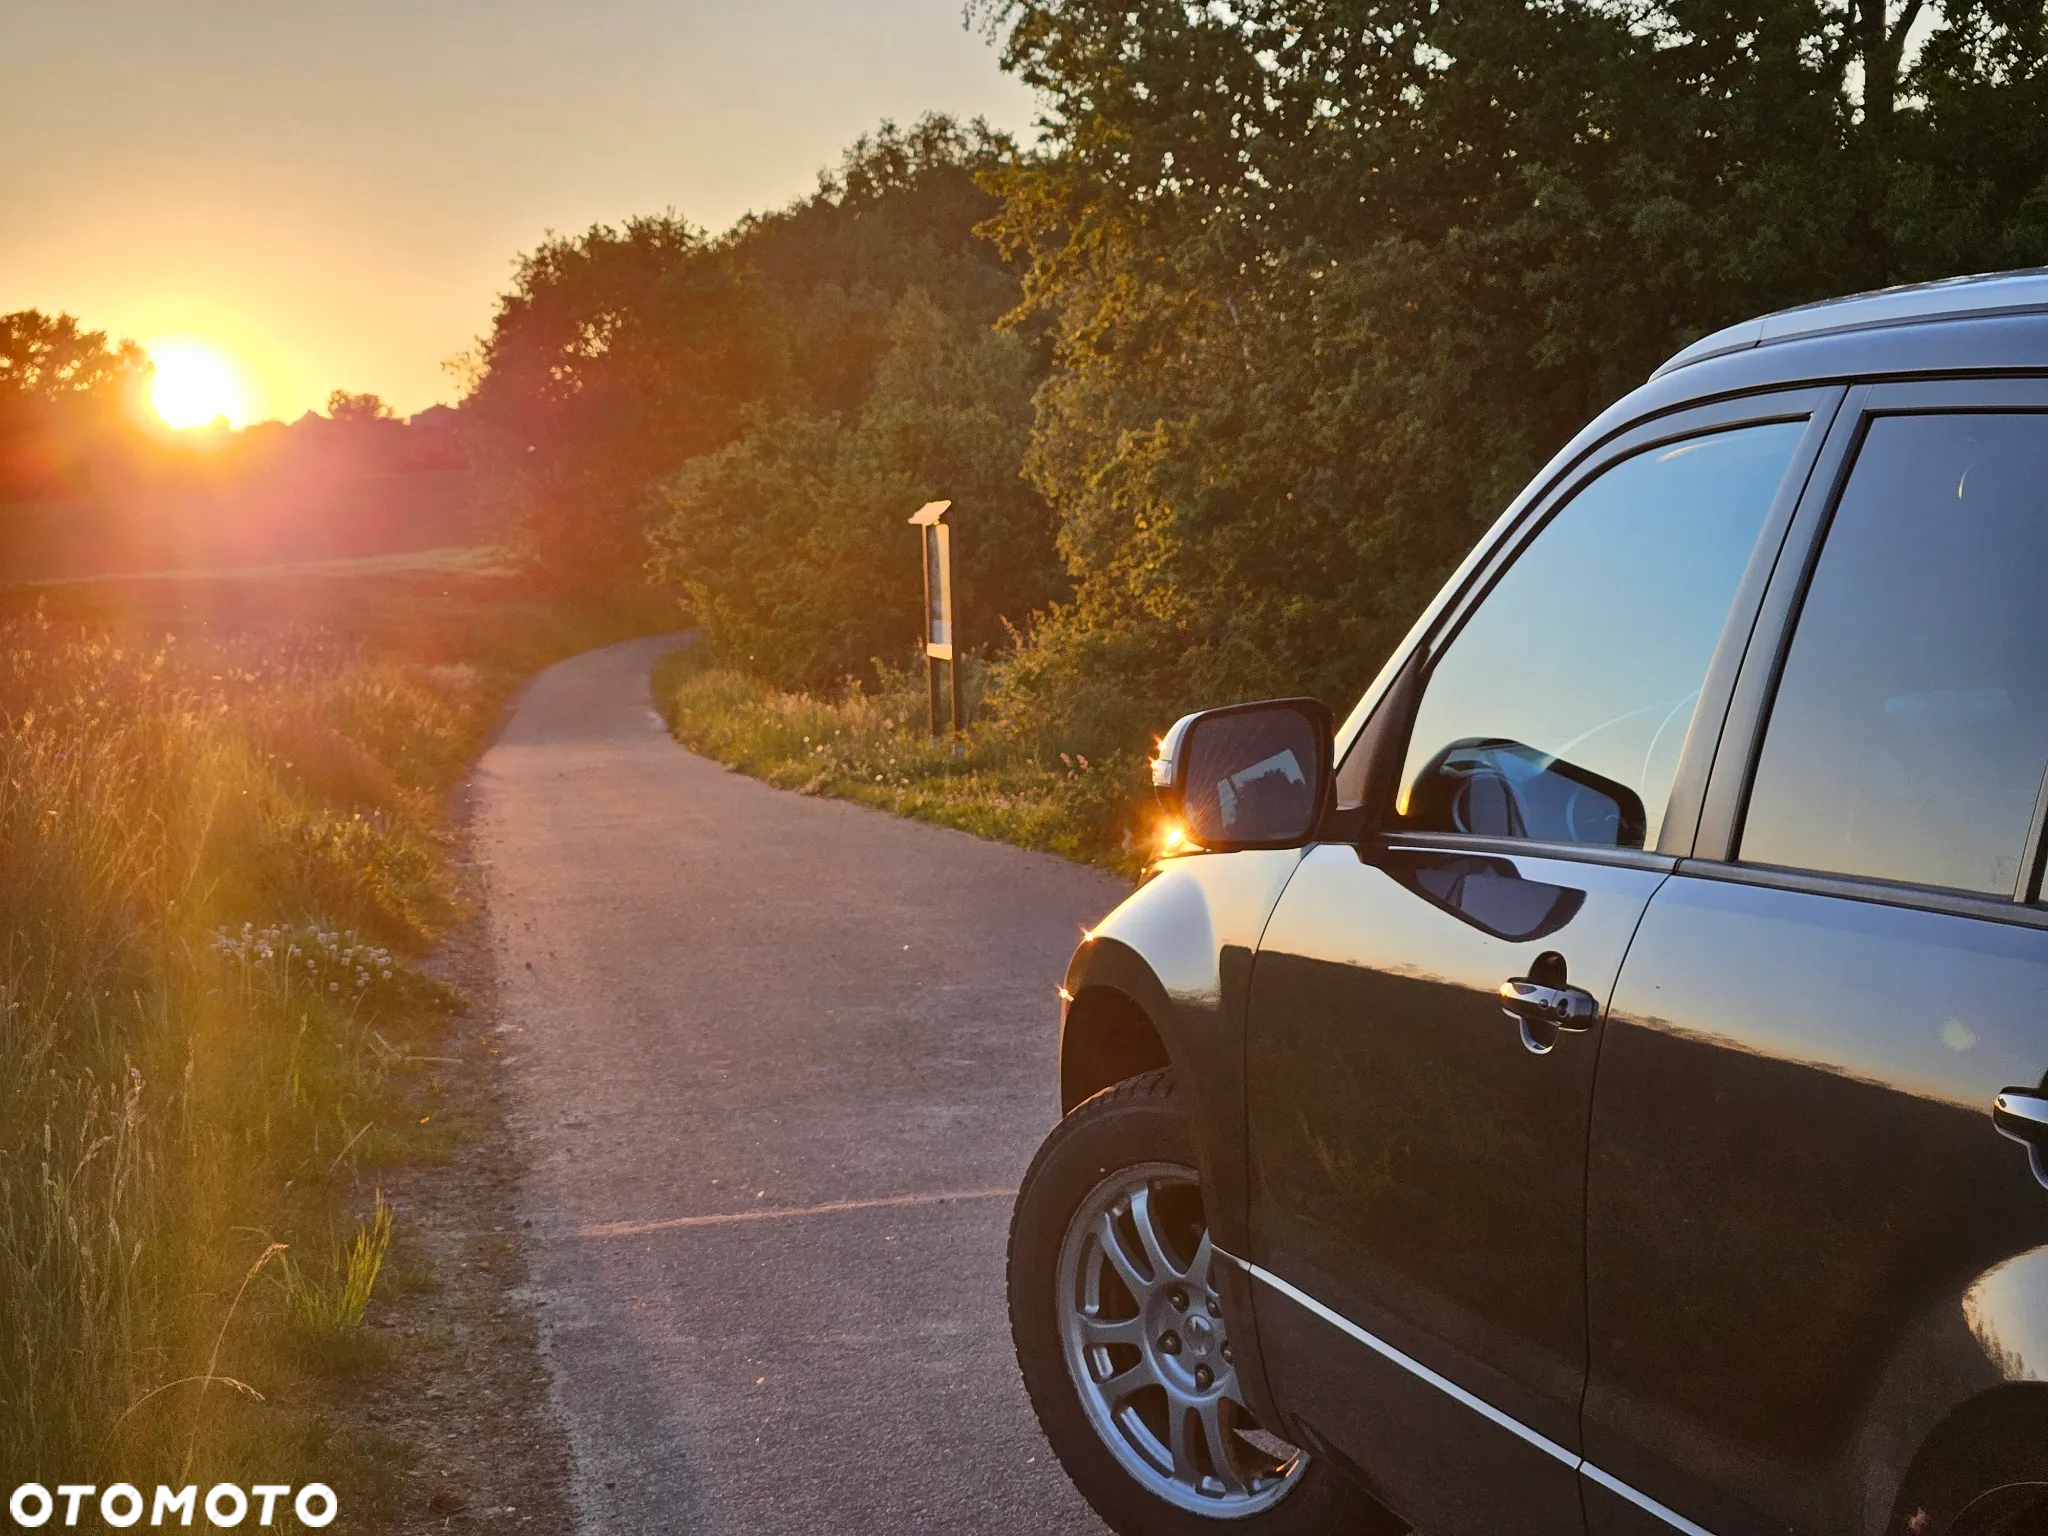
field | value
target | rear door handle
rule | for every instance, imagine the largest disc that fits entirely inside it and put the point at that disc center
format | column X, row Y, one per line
column 2022, row 1114
column 1567, row 1008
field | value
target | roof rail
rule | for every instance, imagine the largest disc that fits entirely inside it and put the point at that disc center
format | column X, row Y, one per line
column 1952, row 298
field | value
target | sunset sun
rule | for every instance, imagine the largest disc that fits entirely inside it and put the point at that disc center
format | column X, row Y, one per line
column 194, row 385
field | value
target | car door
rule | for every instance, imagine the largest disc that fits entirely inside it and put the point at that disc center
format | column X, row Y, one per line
column 1417, row 1155
column 1808, row 1242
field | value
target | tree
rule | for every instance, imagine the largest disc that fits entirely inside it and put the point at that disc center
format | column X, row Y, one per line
column 68, row 398
column 352, row 409
column 791, row 545
column 49, row 358
column 625, row 353
column 1330, row 278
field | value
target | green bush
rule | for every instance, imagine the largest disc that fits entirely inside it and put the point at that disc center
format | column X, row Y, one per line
column 791, row 546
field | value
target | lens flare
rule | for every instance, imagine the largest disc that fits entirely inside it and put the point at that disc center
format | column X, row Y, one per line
column 194, row 385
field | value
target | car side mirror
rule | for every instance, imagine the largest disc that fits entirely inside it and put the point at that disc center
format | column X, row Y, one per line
column 1248, row 776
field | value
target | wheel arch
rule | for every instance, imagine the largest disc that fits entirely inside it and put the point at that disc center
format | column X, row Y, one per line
column 1997, row 1440
column 1105, row 1037
column 1116, row 1020
column 1962, row 1405
column 1178, row 952
column 1120, row 1021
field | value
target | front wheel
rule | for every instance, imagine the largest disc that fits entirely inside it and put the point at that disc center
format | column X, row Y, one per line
column 1124, row 1343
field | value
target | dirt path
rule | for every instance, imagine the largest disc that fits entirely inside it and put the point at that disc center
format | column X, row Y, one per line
column 776, row 1064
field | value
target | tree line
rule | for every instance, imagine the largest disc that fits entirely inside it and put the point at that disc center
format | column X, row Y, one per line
column 1226, row 371
column 76, row 424
column 91, row 483
column 1227, row 368
column 768, row 407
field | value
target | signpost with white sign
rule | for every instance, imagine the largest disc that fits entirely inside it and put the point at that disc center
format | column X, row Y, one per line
column 937, row 536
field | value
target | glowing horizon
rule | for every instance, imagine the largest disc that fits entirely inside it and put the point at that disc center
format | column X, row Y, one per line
column 195, row 385
column 333, row 197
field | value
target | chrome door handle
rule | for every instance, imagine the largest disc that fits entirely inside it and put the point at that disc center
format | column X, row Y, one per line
column 1567, row 1008
column 2022, row 1114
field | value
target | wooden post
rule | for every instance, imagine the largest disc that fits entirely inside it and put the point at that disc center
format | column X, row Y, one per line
column 959, row 711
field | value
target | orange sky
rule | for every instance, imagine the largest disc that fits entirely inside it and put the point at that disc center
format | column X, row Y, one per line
column 332, row 194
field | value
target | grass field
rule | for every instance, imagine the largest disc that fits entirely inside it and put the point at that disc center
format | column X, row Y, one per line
column 223, row 852
column 872, row 746
column 452, row 560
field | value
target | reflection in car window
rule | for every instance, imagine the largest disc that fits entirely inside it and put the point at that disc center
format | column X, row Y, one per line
column 1910, row 730
column 1560, row 709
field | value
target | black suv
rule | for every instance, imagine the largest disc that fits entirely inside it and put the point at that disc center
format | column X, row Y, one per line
column 1599, row 1087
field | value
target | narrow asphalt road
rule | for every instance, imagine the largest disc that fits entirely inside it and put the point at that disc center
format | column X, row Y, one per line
column 777, row 1064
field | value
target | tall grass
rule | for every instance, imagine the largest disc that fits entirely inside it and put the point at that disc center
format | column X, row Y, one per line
column 872, row 745
column 328, row 1305
column 214, row 860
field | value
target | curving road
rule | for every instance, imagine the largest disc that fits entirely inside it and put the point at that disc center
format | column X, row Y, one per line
column 777, row 1064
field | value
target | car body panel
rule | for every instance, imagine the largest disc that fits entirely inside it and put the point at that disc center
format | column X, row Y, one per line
column 1416, row 1167
column 1857, row 1031
column 1741, row 991
column 1415, row 1439
column 1180, row 948
column 1806, row 1242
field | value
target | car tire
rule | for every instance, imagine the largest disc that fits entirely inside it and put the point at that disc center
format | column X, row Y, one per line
column 1125, row 1156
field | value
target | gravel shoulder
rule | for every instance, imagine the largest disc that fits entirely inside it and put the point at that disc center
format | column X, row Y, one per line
column 458, row 1408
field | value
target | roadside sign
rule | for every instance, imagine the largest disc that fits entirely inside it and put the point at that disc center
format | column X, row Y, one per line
column 938, row 579
column 937, row 536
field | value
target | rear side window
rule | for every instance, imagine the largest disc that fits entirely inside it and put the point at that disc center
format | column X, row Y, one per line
column 1910, row 730
column 1560, row 709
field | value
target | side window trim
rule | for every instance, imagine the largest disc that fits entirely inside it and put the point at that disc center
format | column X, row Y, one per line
column 1702, row 740
column 1748, row 711
column 2027, row 890
column 1384, row 736
column 1655, row 432
column 1886, row 893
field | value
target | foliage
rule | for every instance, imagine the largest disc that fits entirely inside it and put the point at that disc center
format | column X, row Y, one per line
column 50, row 359
column 791, row 545
column 1331, row 280
column 66, row 395
column 329, row 1305
column 343, row 406
column 871, row 746
column 624, row 353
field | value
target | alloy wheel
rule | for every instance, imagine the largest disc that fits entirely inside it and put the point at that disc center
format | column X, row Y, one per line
column 1149, row 1350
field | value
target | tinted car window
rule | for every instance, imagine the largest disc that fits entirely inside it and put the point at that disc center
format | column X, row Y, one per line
column 1911, row 726
column 1560, row 709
